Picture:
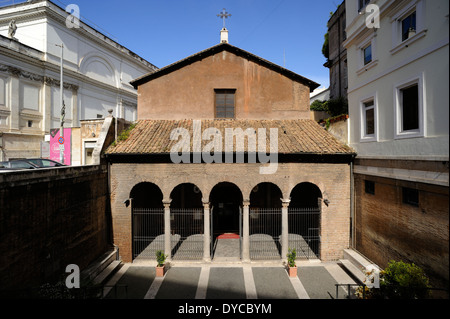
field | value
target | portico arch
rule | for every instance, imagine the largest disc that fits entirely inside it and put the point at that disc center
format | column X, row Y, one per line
column 225, row 200
column 304, row 219
column 186, row 222
column 147, row 220
column 265, row 221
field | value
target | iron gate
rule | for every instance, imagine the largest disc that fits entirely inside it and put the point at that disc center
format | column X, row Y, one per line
column 186, row 226
column 148, row 232
column 304, row 232
column 265, row 231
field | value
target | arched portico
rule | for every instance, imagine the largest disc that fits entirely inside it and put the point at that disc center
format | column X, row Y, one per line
column 186, row 222
column 226, row 221
column 147, row 220
column 304, row 220
column 265, row 222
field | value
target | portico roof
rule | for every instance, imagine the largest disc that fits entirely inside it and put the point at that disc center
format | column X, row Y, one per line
column 298, row 136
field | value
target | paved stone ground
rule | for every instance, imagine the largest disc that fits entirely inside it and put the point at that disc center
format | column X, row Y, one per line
column 315, row 280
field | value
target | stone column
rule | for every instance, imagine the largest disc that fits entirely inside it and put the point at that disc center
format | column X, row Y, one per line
column 246, row 232
column 206, row 232
column 284, row 228
column 167, row 244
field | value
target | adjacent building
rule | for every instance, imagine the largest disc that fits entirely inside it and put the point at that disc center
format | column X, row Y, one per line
column 97, row 72
column 398, row 67
column 337, row 53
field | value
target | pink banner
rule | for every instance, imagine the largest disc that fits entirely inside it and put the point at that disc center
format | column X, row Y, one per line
column 56, row 142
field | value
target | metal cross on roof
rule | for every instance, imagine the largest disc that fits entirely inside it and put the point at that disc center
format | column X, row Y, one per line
column 224, row 15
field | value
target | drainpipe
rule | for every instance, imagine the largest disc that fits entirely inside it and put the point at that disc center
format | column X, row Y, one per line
column 352, row 205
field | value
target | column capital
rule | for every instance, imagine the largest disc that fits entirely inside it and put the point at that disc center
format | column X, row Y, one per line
column 206, row 204
column 166, row 203
column 285, row 202
column 246, row 202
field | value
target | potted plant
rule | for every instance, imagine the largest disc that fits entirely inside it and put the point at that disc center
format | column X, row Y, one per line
column 160, row 267
column 292, row 267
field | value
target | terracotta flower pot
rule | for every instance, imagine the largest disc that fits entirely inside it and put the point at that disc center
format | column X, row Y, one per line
column 160, row 271
column 292, row 271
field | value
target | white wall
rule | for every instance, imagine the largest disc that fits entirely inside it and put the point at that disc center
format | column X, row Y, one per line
column 425, row 57
column 86, row 53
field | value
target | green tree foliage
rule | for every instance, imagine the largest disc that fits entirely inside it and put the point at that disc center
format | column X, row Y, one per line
column 400, row 280
column 318, row 105
column 325, row 47
column 337, row 106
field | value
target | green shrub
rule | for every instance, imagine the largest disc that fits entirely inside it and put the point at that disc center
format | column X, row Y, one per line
column 318, row 105
column 400, row 280
column 291, row 256
column 160, row 258
column 337, row 106
column 123, row 136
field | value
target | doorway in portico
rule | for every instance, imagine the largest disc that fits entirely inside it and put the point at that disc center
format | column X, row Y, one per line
column 226, row 220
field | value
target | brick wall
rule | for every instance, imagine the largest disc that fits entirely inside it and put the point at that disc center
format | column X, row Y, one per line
column 49, row 219
column 387, row 229
column 333, row 181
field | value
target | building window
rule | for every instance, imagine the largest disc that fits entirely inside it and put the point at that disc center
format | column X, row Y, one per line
column 410, row 109
column 369, row 119
column 367, row 54
column 409, row 26
column 410, row 196
column 2, row 92
column 369, row 112
column 362, row 4
column 225, row 103
column 369, row 187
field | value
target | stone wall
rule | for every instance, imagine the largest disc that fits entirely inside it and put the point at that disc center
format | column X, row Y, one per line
column 388, row 229
column 51, row 218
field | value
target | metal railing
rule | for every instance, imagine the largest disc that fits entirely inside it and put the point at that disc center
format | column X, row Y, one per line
column 187, row 228
column 265, row 231
column 304, row 232
column 148, row 232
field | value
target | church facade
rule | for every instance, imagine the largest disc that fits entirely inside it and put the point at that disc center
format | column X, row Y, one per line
column 223, row 149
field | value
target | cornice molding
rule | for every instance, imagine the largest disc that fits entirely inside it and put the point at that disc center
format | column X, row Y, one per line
column 49, row 11
column 17, row 72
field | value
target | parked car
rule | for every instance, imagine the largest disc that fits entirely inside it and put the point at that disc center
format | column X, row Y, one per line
column 31, row 163
column 42, row 162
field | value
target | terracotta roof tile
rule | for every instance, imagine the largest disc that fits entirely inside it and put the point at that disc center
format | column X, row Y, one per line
column 294, row 136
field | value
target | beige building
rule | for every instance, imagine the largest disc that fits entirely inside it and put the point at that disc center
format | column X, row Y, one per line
column 224, row 149
column 398, row 63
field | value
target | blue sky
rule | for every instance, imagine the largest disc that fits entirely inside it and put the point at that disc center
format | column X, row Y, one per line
column 289, row 33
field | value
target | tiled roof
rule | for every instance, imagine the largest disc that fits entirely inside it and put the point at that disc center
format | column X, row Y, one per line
column 294, row 136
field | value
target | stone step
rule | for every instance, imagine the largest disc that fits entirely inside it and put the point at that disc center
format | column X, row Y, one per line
column 96, row 267
column 357, row 259
column 355, row 272
column 110, row 270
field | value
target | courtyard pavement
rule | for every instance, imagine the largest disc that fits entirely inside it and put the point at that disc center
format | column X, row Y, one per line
column 315, row 280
